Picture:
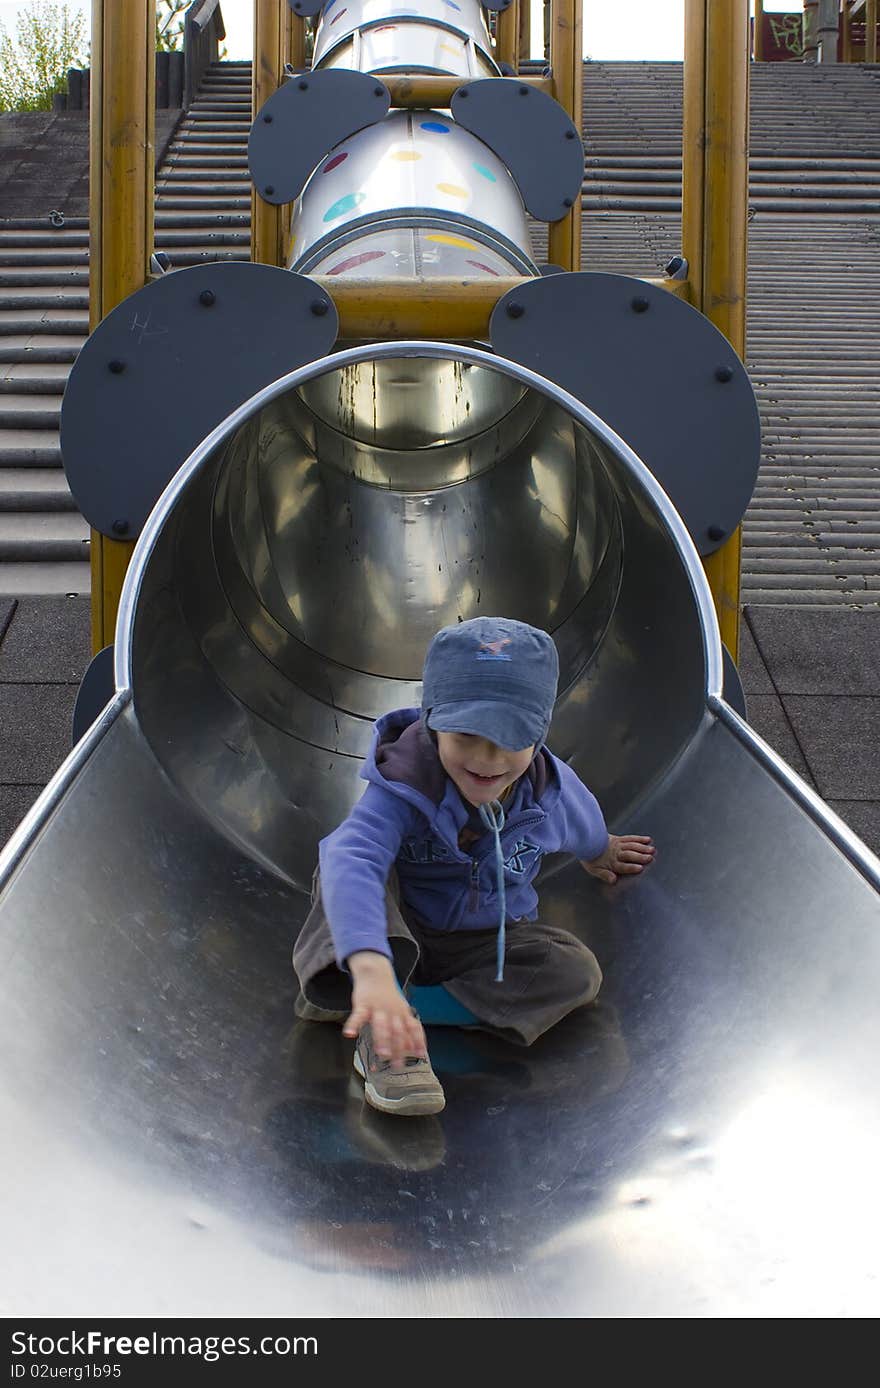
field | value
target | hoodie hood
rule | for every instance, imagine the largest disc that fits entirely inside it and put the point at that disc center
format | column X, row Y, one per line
column 404, row 753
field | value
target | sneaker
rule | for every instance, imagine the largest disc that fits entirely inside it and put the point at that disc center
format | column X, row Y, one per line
column 308, row 1012
column 411, row 1088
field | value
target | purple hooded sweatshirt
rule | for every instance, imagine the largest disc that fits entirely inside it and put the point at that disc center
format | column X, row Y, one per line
column 410, row 818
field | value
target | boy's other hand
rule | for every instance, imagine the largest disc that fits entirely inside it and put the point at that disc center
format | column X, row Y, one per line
column 376, row 998
column 626, row 854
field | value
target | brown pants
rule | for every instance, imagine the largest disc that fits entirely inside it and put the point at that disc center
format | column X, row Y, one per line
column 547, row 972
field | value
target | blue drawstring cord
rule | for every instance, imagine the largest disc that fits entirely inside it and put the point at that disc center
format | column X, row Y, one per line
column 493, row 818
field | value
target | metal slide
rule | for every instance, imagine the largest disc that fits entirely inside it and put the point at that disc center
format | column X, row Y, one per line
column 703, row 1142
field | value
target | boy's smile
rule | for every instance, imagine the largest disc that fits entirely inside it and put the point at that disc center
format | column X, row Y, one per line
column 481, row 769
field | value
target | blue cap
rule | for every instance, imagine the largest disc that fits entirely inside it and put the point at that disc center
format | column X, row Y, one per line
column 493, row 677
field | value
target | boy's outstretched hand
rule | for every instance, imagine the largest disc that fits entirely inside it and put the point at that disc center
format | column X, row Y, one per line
column 376, row 998
column 626, row 854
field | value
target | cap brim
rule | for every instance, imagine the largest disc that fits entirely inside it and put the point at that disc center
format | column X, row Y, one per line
column 511, row 728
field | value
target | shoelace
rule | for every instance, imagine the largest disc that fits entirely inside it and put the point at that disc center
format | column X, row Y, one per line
column 493, row 817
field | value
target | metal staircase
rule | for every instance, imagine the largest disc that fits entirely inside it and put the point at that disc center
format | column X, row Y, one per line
column 812, row 533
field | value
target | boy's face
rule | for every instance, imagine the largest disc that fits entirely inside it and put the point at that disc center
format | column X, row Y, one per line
column 480, row 769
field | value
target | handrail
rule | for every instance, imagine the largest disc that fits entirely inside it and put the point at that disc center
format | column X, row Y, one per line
column 203, row 28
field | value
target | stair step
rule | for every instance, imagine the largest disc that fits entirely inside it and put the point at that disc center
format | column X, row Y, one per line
column 29, row 411
column 32, row 378
column 26, row 298
column 32, row 536
column 34, row 489
column 26, row 347
column 29, row 448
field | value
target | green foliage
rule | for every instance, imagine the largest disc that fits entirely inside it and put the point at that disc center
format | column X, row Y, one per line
column 169, row 24
column 49, row 39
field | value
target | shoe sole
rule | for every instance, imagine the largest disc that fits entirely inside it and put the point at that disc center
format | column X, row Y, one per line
column 411, row 1105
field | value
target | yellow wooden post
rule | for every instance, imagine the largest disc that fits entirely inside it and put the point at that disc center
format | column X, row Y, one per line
column 121, row 189
column 715, row 212
column 507, row 35
column 525, row 30
column 567, row 63
column 296, row 45
column 272, row 38
column 846, row 32
column 871, row 31
column 758, row 46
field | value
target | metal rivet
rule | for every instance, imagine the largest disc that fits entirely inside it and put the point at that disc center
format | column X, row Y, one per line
column 715, row 532
column 208, row 298
column 267, row 120
column 319, row 307
column 724, row 374
column 380, row 91
column 567, row 202
column 523, row 91
column 116, row 366
column 640, row 304
column 120, row 527
column 571, row 134
column 462, row 93
column 303, row 86
column 269, row 189
column 515, row 310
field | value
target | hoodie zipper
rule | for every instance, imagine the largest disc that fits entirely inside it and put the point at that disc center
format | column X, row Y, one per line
column 521, row 823
column 475, row 885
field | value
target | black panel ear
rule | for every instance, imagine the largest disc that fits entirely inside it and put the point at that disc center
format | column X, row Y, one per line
column 168, row 365
column 303, row 120
column 96, row 689
column 532, row 135
column 658, row 372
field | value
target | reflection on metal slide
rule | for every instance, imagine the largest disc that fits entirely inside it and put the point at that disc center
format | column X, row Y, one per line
column 704, row 1140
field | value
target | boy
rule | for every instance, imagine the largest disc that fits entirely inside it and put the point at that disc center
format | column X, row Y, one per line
column 427, row 884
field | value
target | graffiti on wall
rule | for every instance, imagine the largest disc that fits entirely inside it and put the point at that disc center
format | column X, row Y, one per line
column 783, row 37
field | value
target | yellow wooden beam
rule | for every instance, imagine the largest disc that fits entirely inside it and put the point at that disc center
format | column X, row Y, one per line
column 121, row 189
column 715, row 213
column 450, row 310
column 567, row 65
column 421, row 92
column 273, row 27
column 871, row 31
